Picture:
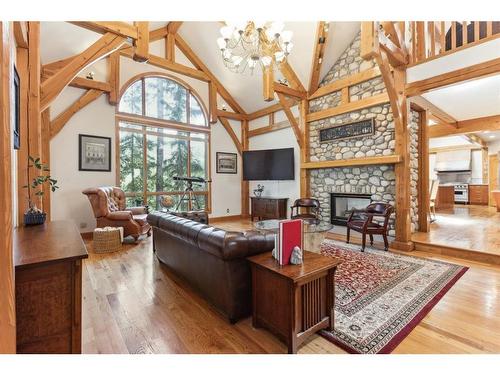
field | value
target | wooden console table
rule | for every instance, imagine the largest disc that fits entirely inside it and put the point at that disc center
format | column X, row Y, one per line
column 48, row 268
column 293, row 301
column 265, row 208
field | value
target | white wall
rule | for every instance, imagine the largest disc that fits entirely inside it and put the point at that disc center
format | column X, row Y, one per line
column 493, row 147
column 283, row 138
column 98, row 118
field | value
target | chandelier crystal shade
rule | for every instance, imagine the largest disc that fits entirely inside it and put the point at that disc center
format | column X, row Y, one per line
column 244, row 45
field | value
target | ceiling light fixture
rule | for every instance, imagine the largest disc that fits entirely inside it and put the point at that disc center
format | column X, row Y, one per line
column 248, row 44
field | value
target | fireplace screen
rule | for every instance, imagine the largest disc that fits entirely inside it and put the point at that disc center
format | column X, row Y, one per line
column 343, row 204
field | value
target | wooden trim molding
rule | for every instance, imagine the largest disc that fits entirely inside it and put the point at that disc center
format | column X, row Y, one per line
column 467, row 126
column 372, row 160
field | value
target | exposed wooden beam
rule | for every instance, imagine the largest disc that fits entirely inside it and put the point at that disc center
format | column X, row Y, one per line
column 305, row 188
column 391, row 32
column 53, row 86
column 435, row 110
column 174, row 26
column 170, row 47
column 81, row 82
column 387, row 75
column 373, row 160
column 368, row 47
column 491, row 123
column 54, row 66
column 352, row 106
column 423, row 173
column 23, row 152
column 20, row 34
column 231, row 115
column 225, row 123
column 476, row 139
column 271, row 109
column 196, row 61
column 163, row 63
column 469, row 73
column 288, row 91
column 122, row 29
column 158, row 34
column 7, row 284
column 267, row 86
column 114, row 77
column 245, row 186
column 141, row 44
column 436, row 120
column 396, row 56
column 319, row 50
column 58, row 123
column 34, row 106
column 291, row 76
column 351, row 80
column 291, row 118
column 212, row 102
column 270, row 128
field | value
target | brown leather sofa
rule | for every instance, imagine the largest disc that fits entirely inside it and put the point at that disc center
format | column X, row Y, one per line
column 109, row 206
column 211, row 260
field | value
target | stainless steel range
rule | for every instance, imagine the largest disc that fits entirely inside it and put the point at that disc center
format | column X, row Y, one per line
column 461, row 193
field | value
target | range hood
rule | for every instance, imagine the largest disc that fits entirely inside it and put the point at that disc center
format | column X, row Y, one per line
column 453, row 161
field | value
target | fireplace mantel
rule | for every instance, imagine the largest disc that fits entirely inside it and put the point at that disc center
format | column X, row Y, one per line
column 373, row 160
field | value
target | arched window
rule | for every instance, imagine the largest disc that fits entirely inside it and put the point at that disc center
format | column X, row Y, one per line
column 162, row 133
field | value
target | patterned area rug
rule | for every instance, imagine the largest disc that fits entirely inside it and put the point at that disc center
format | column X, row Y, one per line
column 381, row 296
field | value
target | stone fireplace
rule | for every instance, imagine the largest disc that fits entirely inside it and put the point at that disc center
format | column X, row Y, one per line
column 375, row 183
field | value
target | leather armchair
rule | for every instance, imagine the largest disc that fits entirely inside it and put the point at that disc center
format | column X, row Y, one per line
column 109, row 206
column 362, row 221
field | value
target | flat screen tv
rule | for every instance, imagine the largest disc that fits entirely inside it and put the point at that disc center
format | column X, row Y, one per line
column 277, row 164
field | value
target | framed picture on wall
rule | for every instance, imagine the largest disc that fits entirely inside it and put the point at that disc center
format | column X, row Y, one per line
column 226, row 162
column 94, row 153
column 16, row 111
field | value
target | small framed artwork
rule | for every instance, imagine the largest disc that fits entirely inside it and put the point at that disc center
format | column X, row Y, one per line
column 94, row 153
column 16, row 111
column 227, row 162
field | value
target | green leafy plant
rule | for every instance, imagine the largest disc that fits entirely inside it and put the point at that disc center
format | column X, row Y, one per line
column 37, row 184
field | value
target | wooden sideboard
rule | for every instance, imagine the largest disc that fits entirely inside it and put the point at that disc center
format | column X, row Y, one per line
column 265, row 208
column 479, row 194
column 48, row 270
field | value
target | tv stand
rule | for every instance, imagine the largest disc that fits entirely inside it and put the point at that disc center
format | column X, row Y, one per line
column 265, row 208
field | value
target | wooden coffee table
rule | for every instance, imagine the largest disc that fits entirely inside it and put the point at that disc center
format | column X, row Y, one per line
column 293, row 301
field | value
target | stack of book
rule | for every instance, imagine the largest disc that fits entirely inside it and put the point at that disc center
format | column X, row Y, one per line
column 290, row 234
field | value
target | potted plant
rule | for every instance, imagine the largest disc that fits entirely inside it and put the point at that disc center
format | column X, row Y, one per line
column 35, row 216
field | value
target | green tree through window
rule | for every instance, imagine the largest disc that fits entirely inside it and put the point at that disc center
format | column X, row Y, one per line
column 150, row 156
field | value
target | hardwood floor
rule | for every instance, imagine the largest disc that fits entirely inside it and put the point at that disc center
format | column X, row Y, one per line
column 472, row 227
column 132, row 304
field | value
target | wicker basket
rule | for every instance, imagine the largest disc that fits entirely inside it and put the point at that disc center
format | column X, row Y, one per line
column 107, row 240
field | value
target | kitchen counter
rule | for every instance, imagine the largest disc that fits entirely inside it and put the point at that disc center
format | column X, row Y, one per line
column 445, row 196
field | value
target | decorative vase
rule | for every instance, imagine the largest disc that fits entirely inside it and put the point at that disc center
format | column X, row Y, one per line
column 34, row 218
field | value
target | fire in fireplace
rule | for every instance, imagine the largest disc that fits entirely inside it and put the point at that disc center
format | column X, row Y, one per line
column 342, row 204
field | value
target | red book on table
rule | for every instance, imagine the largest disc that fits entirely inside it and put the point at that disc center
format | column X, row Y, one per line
column 290, row 235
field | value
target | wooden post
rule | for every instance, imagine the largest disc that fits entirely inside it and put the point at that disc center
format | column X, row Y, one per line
column 305, row 190
column 402, row 170
column 212, row 102
column 420, row 40
column 268, row 84
column 114, row 77
column 423, row 172
column 7, row 299
column 368, row 34
column 245, row 212
column 22, row 153
column 34, row 114
column 141, row 52
column 45, row 155
column 170, row 47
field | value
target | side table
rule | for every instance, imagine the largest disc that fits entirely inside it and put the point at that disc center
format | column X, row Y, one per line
column 293, row 301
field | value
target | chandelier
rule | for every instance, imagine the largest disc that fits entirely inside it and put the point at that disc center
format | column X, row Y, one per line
column 244, row 45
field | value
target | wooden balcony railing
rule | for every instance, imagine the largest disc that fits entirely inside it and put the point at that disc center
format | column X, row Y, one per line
column 430, row 39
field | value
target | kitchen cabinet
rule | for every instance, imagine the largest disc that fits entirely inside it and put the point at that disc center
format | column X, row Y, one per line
column 478, row 194
column 445, row 197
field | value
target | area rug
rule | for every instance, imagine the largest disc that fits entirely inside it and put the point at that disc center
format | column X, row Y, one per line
column 381, row 296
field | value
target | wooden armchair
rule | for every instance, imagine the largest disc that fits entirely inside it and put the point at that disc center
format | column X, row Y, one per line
column 108, row 204
column 362, row 221
column 312, row 207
